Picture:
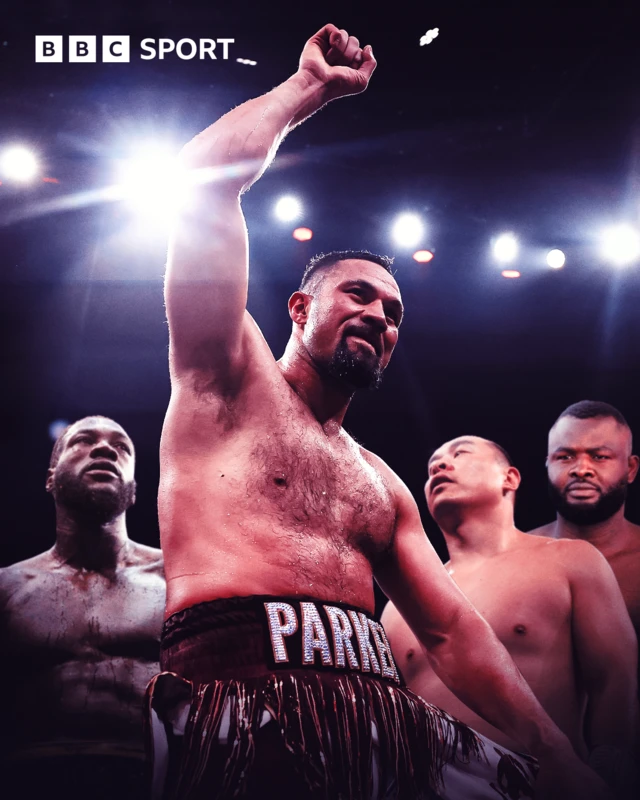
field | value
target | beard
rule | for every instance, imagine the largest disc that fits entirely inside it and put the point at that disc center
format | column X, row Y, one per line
column 98, row 501
column 357, row 369
column 609, row 502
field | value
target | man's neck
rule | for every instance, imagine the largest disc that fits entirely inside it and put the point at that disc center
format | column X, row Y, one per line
column 327, row 397
column 90, row 544
column 479, row 533
column 609, row 536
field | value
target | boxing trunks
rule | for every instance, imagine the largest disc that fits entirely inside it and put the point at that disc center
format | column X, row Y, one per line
column 264, row 697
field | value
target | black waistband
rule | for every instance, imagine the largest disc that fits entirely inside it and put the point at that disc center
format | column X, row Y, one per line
column 281, row 632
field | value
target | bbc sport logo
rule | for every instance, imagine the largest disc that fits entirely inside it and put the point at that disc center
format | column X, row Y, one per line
column 116, row 49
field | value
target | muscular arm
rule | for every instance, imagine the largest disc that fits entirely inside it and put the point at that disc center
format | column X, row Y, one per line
column 605, row 646
column 461, row 647
column 207, row 273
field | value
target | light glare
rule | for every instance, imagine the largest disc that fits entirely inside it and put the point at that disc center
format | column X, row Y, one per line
column 18, row 164
column 510, row 273
column 423, row 256
column 154, row 184
column 621, row 244
column 288, row 209
column 303, row 234
column 505, row 248
column 408, row 230
column 555, row 259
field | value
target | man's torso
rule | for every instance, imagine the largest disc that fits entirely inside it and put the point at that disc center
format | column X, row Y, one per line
column 526, row 598
column 257, row 498
column 79, row 650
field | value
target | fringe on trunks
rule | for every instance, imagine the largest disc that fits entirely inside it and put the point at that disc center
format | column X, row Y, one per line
column 295, row 731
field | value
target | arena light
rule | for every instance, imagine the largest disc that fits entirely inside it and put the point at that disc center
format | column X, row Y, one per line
column 407, row 230
column 18, row 164
column 303, row 234
column 621, row 244
column 510, row 273
column 505, row 248
column 555, row 259
column 56, row 428
column 152, row 183
column 288, row 209
column 423, row 256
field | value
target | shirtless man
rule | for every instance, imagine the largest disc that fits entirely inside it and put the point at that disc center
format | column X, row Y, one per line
column 274, row 521
column 80, row 630
column 590, row 466
column 555, row 605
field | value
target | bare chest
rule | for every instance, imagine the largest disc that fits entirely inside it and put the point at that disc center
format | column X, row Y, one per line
column 54, row 619
column 626, row 568
column 526, row 604
column 317, row 485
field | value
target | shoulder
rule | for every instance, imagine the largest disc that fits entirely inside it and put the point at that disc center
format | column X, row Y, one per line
column 141, row 555
column 394, row 483
column 18, row 575
column 544, row 530
column 581, row 560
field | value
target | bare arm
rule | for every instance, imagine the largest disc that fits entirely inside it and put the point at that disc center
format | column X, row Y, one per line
column 470, row 660
column 607, row 655
column 461, row 647
column 207, row 271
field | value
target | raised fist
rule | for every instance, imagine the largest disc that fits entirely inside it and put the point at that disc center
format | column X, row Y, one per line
column 336, row 60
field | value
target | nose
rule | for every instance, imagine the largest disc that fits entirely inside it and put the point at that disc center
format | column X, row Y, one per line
column 438, row 466
column 102, row 449
column 582, row 467
column 374, row 314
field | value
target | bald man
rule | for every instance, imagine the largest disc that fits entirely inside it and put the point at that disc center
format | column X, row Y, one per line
column 590, row 465
column 555, row 605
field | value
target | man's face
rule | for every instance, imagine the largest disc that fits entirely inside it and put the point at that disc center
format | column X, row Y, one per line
column 353, row 322
column 94, row 473
column 468, row 471
column 589, row 467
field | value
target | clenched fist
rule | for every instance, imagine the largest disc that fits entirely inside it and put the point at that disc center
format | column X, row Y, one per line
column 335, row 60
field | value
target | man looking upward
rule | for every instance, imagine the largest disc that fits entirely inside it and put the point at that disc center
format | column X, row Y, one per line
column 80, row 630
column 274, row 521
column 555, row 605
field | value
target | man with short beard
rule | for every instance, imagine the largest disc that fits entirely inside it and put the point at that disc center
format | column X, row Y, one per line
column 274, row 523
column 590, row 466
column 80, row 628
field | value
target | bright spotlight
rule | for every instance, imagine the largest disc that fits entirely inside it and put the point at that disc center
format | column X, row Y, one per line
column 621, row 244
column 505, row 248
column 303, row 234
column 18, row 164
column 288, row 209
column 408, row 230
column 510, row 273
column 555, row 259
column 56, row 428
column 423, row 256
column 153, row 183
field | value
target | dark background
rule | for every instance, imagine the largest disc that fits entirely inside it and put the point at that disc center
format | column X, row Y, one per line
column 518, row 118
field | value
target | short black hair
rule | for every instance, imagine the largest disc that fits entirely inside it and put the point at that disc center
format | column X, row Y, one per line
column 59, row 442
column 502, row 452
column 327, row 260
column 590, row 409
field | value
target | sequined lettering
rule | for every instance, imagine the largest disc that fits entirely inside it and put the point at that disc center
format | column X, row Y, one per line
column 282, row 622
column 367, row 652
column 342, row 633
column 384, row 651
column 314, row 636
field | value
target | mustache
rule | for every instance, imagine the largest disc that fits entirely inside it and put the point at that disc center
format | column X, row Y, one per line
column 366, row 333
column 577, row 483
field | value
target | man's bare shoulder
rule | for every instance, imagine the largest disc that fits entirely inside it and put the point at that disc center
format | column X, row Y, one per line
column 148, row 558
column 16, row 576
column 394, row 483
column 548, row 530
